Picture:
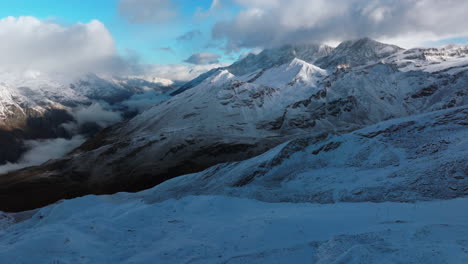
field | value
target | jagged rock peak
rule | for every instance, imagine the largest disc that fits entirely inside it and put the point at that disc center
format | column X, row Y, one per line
column 277, row 56
column 357, row 52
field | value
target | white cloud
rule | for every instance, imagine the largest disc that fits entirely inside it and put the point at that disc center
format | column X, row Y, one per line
column 264, row 23
column 42, row 151
column 96, row 113
column 141, row 102
column 30, row 44
column 148, row 11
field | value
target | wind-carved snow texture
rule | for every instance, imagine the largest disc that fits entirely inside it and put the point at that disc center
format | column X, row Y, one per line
column 229, row 117
column 217, row 229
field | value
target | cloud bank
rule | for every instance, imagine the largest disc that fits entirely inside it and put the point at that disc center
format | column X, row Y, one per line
column 141, row 102
column 96, row 113
column 42, row 151
column 32, row 44
column 264, row 23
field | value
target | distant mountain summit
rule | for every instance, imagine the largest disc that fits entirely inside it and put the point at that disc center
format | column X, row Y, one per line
column 265, row 60
column 348, row 53
column 278, row 56
column 357, row 52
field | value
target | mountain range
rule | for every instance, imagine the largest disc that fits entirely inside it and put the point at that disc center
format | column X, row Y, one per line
column 38, row 106
column 299, row 154
column 293, row 95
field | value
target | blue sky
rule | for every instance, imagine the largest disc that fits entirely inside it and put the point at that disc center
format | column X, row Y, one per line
column 145, row 40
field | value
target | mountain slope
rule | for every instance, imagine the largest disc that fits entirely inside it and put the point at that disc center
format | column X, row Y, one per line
column 422, row 157
column 38, row 106
column 331, row 199
column 265, row 60
column 230, row 118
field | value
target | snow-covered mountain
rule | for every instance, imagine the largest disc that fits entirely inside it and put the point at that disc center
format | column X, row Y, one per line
column 35, row 105
column 357, row 52
column 388, row 193
column 265, row 60
column 36, row 92
column 418, row 158
column 231, row 115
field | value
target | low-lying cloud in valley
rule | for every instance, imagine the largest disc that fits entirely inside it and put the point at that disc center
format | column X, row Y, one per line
column 41, row 151
column 140, row 102
column 97, row 113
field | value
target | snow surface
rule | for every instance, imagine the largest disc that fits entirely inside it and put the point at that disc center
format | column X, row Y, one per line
column 215, row 229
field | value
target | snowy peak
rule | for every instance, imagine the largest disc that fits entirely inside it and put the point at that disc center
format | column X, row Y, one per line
column 279, row 56
column 351, row 53
column 358, row 52
column 288, row 77
column 220, row 77
column 266, row 59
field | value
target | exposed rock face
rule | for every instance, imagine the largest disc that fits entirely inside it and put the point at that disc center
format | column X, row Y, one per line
column 230, row 118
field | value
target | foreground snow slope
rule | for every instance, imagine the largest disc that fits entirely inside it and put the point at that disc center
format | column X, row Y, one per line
column 216, row 229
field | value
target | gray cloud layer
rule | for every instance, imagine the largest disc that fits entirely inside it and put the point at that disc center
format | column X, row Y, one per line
column 203, row 58
column 265, row 23
column 189, row 35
